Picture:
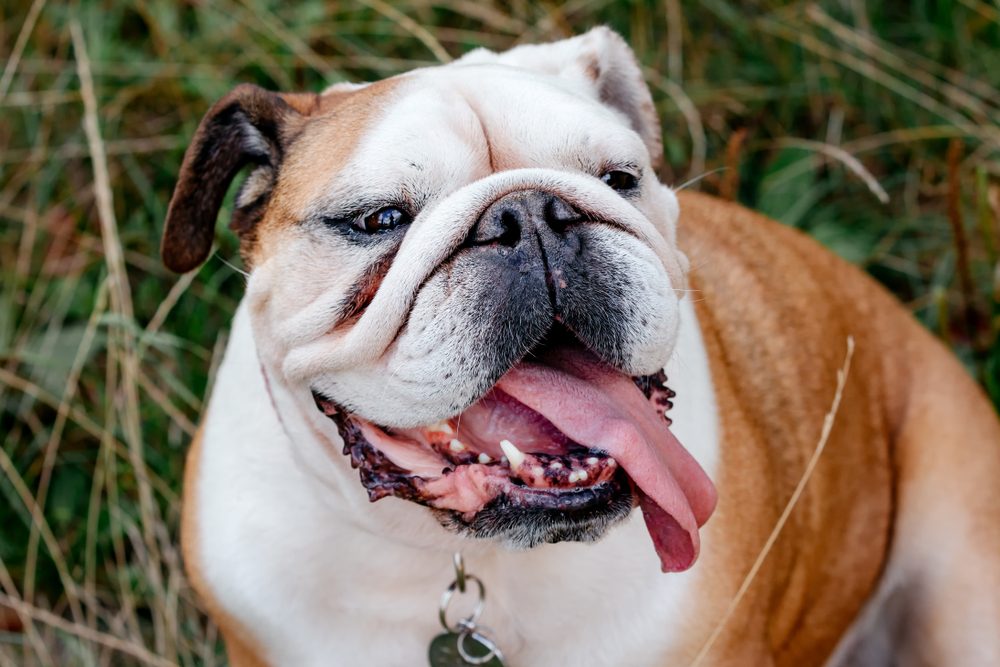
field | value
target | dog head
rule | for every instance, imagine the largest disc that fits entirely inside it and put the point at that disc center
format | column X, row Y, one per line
column 472, row 270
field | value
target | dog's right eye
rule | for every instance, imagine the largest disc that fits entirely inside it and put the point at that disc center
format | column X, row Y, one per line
column 622, row 181
column 382, row 220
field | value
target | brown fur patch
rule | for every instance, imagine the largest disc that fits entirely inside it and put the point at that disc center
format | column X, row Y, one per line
column 325, row 143
column 776, row 310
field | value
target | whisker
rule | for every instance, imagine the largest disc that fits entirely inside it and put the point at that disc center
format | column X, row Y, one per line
column 231, row 265
column 692, row 181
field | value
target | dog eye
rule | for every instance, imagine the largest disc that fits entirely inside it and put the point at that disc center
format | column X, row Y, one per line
column 620, row 180
column 382, row 220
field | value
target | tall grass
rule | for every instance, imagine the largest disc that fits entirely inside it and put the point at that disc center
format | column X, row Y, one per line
column 871, row 125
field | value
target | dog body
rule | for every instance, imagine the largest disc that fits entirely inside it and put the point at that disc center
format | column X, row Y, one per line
column 530, row 200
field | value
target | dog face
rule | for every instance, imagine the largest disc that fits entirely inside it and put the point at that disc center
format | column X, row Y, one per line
column 472, row 270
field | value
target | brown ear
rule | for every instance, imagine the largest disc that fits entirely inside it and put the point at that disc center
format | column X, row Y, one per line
column 601, row 61
column 248, row 126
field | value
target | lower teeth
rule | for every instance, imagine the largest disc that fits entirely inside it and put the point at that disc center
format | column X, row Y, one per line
column 573, row 470
column 536, row 471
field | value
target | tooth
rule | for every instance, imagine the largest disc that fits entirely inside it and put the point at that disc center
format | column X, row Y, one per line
column 555, row 465
column 456, row 446
column 592, row 461
column 578, row 476
column 441, row 427
column 514, row 455
column 484, row 458
column 538, row 471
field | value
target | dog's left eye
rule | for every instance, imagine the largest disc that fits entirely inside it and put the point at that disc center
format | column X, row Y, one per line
column 382, row 220
column 621, row 181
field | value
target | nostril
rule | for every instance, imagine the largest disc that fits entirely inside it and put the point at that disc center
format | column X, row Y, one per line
column 500, row 225
column 559, row 215
column 510, row 227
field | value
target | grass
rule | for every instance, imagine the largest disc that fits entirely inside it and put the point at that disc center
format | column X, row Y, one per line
column 871, row 125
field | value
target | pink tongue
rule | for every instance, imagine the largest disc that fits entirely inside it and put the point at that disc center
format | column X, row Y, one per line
column 602, row 409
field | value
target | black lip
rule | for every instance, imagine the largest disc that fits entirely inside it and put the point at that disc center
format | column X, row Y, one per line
column 566, row 500
column 539, row 517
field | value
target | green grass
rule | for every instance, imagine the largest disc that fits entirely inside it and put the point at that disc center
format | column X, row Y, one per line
column 811, row 111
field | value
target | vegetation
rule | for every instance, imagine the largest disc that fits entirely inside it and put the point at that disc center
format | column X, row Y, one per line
column 872, row 125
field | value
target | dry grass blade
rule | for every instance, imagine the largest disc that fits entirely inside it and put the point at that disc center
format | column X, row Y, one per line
column 163, row 310
column 301, row 49
column 910, row 135
column 125, row 350
column 41, row 98
column 983, row 9
column 158, row 396
column 22, row 40
column 48, row 537
column 41, row 651
column 55, row 437
column 83, row 632
column 828, row 421
column 121, row 297
column 839, row 154
column 867, row 69
column 699, row 142
column 492, row 18
column 675, row 41
column 920, row 69
column 412, row 27
column 80, row 418
column 71, row 151
column 26, row 245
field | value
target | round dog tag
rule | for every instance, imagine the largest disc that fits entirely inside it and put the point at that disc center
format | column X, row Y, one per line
column 451, row 649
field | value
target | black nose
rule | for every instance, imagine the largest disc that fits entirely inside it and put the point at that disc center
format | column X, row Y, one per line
column 520, row 213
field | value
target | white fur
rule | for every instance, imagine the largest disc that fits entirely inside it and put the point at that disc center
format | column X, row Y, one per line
column 290, row 546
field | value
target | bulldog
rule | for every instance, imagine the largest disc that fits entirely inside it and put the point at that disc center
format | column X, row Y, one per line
column 470, row 299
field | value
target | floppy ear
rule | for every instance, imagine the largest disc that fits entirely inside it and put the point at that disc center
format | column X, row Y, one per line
column 601, row 62
column 248, row 126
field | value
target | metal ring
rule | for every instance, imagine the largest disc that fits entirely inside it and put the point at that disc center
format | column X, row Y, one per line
column 469, row 620
column 477, row 660
column 459, row 571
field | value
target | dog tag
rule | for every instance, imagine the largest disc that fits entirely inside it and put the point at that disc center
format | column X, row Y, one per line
column 477, row 649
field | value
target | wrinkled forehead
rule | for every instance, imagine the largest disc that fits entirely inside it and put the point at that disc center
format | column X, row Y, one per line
column 526, row 119
column 433, row 130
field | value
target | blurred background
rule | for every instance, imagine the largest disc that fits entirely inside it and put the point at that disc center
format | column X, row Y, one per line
column 873, row 126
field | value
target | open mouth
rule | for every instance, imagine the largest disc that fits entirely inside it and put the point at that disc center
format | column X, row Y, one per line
column 562, row 439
